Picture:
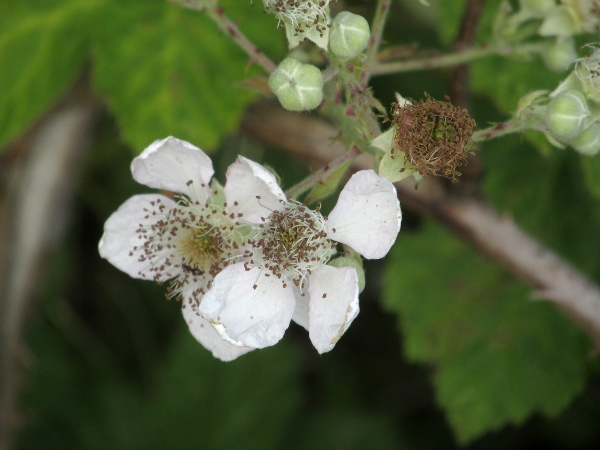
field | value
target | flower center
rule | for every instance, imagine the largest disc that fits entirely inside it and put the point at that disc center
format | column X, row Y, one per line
column 190, row 244
column 199, row 245
column 291, row 243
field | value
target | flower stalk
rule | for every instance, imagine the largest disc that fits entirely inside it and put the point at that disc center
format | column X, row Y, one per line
column 378, row 25
column 317, row 177
column 452, row 59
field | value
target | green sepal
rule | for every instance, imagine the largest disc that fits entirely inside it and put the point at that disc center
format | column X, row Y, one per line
column 327, row 185
column 353, row 260
column 394, row 167
column 384, row 141
column 217, row 194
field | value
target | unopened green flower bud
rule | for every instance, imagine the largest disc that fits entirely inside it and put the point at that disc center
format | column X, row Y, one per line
column 558, row 55
column 588, row 142
column 349, row 35
column 565, row 115
column 299, row 87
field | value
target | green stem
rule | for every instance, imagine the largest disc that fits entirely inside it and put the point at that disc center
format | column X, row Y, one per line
column 316, row 177
column 454, row 59
column 329, row 73
column 364, row 123
column 381, row 13
column 227, row 26
column 360, row 99
column 500, row 129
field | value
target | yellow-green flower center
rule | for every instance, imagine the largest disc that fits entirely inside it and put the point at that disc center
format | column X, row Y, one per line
column 199, row 246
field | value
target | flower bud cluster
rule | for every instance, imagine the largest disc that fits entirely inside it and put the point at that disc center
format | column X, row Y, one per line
column 570, row 120
column 572, row 116
column 299, row 87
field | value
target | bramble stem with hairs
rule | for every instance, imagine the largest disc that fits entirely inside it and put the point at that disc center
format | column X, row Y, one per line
column 451, row 59
column 381, row 13
column 497, row 130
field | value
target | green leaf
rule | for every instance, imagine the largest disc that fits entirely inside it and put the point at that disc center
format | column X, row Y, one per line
column 170, row 71
column 449, row 16
column 42, row 49
column 546, row 194
column 498, row 356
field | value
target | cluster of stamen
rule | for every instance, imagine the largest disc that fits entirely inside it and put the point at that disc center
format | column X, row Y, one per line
column 302, row 14
column 290, row 243
column 189, row 244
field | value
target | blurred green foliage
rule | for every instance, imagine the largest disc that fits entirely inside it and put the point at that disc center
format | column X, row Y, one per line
column 164, row 70
column 42, row 49
column 112, row 363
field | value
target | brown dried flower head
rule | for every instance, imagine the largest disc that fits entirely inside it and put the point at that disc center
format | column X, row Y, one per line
column 434, row 136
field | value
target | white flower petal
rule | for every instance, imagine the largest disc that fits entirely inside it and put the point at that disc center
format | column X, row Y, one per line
column 246, row 316
column 170, row 164
column 209, row 338
column 367, row 215
column 333, row 304
column 301, row 311
column 245, row 181
column 121, row 243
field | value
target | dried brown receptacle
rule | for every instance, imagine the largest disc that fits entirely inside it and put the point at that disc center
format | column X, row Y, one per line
column 434, row 135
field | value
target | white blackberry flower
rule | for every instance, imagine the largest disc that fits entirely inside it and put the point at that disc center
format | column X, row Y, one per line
column 285, row 274
column 187, row 240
